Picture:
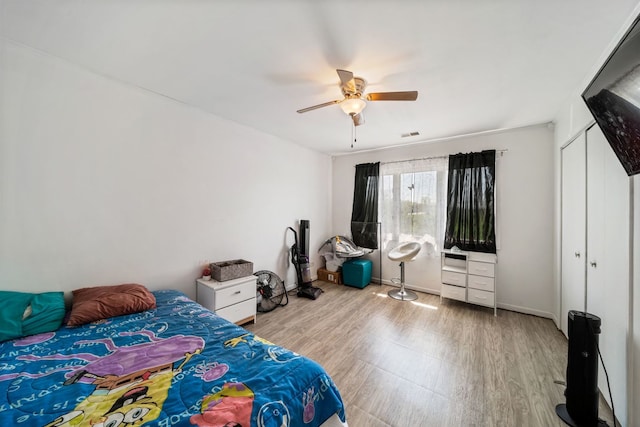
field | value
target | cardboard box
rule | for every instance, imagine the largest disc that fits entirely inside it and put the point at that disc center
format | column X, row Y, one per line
column 329, row 276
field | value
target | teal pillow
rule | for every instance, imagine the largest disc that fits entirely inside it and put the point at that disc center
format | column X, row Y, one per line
column 47, row 312
column 12, row 307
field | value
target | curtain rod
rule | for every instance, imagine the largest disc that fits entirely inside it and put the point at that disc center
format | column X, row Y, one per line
column 435, row 157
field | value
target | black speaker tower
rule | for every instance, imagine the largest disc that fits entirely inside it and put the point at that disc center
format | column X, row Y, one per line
column 581, row 409
column 303, row 265
column 304, row 237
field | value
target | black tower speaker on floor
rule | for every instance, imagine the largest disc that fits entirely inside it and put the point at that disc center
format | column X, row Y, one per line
column 581, row 409
column 304, row 237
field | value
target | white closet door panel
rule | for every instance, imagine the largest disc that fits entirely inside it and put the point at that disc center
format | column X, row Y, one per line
column 608, row 260
column 573, row 229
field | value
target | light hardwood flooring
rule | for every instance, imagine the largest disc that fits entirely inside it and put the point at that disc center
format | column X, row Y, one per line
column 427, row 364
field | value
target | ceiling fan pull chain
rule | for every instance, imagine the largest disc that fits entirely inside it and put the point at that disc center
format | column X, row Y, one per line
column 353, row 133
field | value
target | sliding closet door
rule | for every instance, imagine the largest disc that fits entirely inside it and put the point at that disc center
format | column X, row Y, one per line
column 608, row 211
column 574, row 204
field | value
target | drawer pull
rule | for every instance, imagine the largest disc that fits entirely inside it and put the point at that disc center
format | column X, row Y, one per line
column 236, row 292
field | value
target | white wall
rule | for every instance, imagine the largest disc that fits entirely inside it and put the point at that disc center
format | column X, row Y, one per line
column 525, row 206
column 572, row 118
column 571, row 121
column 105, row 183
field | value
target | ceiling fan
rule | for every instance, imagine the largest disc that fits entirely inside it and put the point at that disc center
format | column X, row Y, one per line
column 354, row 100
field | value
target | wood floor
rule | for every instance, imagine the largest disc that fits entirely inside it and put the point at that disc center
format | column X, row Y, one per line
column 426, row 364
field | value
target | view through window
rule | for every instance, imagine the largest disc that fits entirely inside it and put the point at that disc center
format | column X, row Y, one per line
column 413, row 203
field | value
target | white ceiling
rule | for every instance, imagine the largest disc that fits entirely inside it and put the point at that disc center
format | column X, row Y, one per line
column 478, row 65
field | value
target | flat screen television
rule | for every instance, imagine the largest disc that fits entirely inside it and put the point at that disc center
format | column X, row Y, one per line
column 613, row 97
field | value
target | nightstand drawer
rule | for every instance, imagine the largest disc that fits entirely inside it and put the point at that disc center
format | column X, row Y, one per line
column 235, row 294
column 241, row 311
column 453, row 292
column 451, row 278
column 482, row 268
column 481, row 297
column 482, row 283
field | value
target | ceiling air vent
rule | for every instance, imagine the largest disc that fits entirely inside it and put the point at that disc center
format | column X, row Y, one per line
column 406, row 135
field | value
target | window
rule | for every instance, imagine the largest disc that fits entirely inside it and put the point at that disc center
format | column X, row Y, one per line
column 413, row 203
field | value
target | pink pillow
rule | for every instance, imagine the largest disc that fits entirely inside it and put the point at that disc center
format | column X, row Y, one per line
column 100, row 302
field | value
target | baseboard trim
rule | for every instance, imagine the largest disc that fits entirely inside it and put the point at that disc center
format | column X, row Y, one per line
column 409, row 286
column 526, row 310
column 510, row 307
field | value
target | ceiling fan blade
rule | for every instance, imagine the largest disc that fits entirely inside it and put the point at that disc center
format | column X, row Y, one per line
column 345, row 76
column 346, row 80
column 315, row 107
column 358, row 119
column 393, row 96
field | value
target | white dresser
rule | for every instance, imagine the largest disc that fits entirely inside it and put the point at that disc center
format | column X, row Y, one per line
column 469, row 277
column 234, row 300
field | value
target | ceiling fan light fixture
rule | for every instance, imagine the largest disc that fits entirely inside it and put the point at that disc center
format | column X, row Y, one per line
column 353, row 106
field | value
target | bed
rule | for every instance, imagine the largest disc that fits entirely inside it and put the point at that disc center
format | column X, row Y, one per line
column 176, row 365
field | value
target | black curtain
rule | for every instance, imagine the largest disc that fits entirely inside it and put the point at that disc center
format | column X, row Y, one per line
column 470, row 202
column 364, row 216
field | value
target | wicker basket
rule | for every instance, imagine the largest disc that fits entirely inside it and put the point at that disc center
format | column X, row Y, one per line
column 227, row 270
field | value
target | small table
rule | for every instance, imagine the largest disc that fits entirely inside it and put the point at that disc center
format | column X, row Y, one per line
column 233, row 300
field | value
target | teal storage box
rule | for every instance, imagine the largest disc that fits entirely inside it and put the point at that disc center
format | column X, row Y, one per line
column 356, row 272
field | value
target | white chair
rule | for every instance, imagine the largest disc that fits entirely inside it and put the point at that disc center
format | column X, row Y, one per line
column 404, row 253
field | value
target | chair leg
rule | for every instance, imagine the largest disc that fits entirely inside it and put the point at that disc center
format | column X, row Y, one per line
column 402, row 294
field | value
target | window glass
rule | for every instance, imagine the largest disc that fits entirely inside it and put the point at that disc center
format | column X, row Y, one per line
column 413, row 204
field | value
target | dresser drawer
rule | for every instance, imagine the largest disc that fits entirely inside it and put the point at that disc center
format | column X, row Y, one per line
column 452, row 278
column 241, row 311
column 453, row 292
column 235, row 294
column 482, row 268
column 481, row 282
column 476, row 296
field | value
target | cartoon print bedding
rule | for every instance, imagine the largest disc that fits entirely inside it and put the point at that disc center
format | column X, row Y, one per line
column 177, row 365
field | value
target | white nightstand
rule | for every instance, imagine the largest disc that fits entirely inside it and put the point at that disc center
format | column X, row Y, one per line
column 234, row 300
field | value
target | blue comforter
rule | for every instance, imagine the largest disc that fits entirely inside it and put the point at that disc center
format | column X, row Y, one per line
column 177, row 365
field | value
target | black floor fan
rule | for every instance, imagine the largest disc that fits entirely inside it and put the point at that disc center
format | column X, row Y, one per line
column 270, row 291
column 582, row 395
column 300, row 260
